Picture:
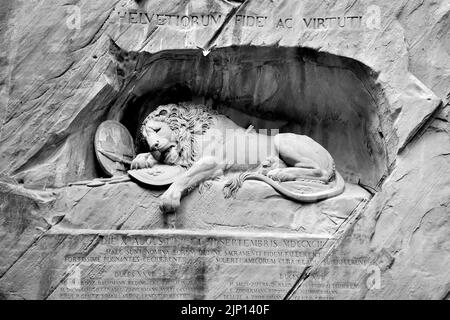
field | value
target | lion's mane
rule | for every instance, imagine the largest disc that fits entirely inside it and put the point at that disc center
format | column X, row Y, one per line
column 187, row 121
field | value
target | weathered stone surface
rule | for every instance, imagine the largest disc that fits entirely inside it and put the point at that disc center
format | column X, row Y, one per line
column 404, row 231
column 161, row 265
column 24, row 217
column 369, row 93
column 127, row 206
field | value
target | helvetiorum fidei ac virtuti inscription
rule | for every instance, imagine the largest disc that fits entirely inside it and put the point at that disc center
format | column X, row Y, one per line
column 215, row 150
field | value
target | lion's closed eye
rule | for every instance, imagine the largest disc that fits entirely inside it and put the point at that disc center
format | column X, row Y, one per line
column 156, row 128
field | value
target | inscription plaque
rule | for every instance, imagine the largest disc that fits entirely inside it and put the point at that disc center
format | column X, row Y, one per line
column 188, row 265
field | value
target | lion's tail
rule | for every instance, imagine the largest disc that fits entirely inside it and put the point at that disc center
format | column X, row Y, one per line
column 232, row 186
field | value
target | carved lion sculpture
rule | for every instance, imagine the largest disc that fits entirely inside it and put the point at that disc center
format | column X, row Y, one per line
column 199, row 139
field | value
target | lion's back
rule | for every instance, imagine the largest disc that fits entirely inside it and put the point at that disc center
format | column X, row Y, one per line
column 222, row 122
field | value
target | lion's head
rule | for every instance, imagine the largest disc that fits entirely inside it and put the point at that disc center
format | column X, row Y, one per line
column 171, row 131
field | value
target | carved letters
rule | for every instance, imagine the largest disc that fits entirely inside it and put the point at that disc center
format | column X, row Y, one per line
column 215, row 19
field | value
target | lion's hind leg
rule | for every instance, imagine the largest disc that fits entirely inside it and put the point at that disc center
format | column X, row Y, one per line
column 293, row 150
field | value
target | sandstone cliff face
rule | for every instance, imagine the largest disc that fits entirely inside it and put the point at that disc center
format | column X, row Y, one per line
column 373, row 89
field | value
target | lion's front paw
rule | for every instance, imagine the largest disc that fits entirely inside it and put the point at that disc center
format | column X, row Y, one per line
column 141, row 162
column 279, row 175
column 170, row 201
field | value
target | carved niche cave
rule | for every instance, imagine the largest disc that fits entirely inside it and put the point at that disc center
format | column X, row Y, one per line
column 332, row 99
column 335, row 100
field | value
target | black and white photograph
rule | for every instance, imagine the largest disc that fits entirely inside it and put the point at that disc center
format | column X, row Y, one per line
column 239, row 150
